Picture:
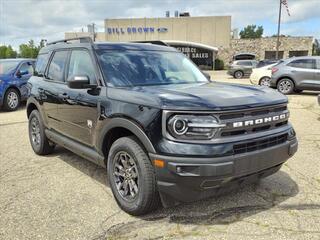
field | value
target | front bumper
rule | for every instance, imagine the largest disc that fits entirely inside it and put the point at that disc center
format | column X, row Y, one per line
column 184, row 179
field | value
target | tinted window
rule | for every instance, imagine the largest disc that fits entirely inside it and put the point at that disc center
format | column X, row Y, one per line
column 244, row 63
column 26, row 67
column 303, row 63
column 81, row 64
column 140, row 68
column 57, row 65
column 41, row 64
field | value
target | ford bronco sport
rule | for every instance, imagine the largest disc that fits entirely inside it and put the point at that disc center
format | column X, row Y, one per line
column 164, row 132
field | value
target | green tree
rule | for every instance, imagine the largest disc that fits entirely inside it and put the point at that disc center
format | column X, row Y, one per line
column 29, row 50
column 7, row 52
column 251, row 31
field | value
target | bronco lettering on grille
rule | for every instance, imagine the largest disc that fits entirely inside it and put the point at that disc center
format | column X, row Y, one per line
column 260, row 120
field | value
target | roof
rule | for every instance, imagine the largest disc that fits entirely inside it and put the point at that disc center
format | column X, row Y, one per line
column 108, row 46
column 189, row 44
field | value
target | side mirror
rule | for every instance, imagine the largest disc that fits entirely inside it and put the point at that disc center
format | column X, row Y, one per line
column 79, row 82
column 19, row 73
column 207, row 75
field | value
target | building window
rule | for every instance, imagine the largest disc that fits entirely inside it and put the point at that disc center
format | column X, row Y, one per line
column 272, row 54
column 298, row 53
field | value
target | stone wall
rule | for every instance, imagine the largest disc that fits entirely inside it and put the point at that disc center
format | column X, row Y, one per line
column 258, row 46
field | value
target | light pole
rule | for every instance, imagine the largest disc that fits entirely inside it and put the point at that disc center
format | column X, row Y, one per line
column 278, row 35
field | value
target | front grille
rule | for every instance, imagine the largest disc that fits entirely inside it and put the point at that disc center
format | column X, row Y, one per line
column 260, row 144
column 251, row 115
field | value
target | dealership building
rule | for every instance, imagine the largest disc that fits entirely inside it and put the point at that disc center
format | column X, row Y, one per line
column 203, row 39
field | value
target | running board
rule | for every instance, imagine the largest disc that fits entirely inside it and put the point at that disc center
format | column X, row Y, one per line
column 77, row 148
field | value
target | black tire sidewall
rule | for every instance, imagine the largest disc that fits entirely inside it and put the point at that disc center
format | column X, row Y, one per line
column 5, row 100
column 140, row 157
column 37, row 149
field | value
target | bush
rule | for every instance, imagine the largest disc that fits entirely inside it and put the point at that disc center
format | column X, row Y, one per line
column 218, row 64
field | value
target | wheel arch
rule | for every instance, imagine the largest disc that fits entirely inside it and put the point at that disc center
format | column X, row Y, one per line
column 283, row 77
column 13, row 87
column 31, row 105
column 120, row 127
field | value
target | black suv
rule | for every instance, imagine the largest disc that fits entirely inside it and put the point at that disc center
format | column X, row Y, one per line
column 164, row 131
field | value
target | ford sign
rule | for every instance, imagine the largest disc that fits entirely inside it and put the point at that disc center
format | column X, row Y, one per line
column 162, row 30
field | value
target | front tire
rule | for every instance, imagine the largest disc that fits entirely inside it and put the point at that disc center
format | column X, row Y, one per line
column 238, row 74
column 38, row 139
column 132, row 177
column 285, row 86
column 11, row 100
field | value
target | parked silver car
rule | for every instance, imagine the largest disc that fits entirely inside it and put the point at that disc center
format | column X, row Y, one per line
column 296, row 74
column 242, row 68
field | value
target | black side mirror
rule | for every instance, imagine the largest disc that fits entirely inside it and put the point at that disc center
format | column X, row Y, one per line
column 207, row 75
column 79, row 82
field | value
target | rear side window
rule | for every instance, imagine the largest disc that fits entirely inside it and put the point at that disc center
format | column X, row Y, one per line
column 41, row 64
column 81, row 64
column 303, row 63
column 244, row 63
column 57, row 66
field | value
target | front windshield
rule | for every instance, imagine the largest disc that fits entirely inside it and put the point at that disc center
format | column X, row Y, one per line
column 143, row 68
column 7, row 66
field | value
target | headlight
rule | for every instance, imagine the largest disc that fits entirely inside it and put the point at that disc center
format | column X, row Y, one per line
column 193, row 127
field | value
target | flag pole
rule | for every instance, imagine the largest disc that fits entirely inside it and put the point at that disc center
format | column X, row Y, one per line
column 278, row 35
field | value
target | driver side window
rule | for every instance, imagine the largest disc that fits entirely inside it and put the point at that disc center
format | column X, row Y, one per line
column 81, row 64
column 26, row 67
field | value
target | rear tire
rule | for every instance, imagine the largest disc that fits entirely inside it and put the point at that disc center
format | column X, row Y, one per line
column 265, row 81
column 285, row 86
column 11, row 100
column 38, row 139
column 238, row 74
column 132, row 177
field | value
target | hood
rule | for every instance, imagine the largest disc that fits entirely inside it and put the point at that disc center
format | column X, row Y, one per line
column 205, row 96
column 5, row 77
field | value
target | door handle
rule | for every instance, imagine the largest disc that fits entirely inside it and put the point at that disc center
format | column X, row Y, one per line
column 294, row 71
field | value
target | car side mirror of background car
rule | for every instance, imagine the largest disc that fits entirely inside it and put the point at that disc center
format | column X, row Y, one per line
column 19, row 73
column 79, row 82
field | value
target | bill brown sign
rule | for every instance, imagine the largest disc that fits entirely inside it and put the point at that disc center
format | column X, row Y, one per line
column 116, row 30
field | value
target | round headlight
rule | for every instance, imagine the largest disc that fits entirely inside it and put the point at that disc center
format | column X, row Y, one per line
column 180, row 126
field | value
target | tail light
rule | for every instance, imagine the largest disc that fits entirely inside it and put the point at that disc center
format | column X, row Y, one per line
column 274, row 70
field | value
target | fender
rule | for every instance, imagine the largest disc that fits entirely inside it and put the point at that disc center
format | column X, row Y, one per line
column 129, row 125
column 32, row 100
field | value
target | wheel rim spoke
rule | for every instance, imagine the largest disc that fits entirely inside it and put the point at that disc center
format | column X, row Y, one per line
column 126, row 175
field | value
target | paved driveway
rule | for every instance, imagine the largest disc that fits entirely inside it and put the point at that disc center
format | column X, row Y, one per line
column 63, row 196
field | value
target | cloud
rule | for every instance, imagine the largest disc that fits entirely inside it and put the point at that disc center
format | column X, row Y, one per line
column 21, row 20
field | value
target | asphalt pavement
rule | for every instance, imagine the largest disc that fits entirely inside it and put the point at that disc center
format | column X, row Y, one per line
column 62, row 196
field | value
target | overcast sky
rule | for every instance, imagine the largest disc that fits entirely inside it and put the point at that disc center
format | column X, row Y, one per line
column 21, row 20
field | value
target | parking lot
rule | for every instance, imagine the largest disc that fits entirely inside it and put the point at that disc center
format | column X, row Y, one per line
column 62, row 196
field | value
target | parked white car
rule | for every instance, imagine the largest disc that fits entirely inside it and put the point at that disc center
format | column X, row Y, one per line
column 261, row 76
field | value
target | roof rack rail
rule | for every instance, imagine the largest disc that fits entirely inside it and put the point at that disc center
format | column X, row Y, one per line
column 156, row 42
column 81, row 40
